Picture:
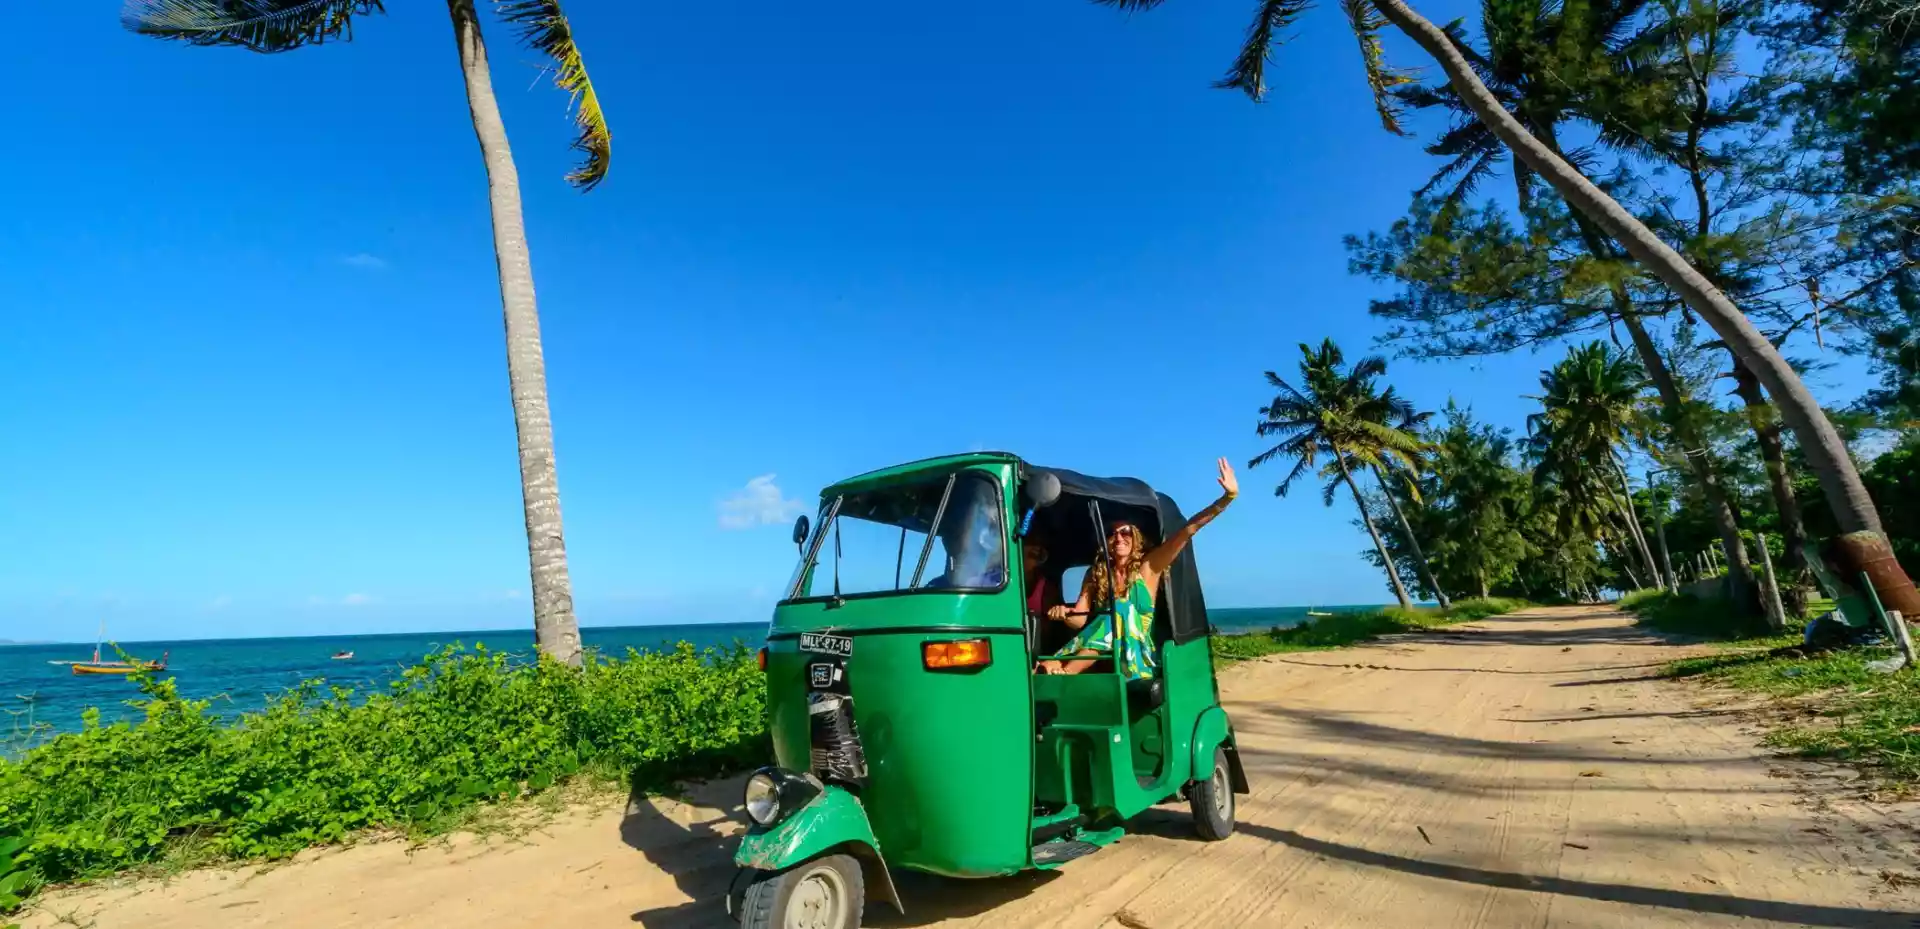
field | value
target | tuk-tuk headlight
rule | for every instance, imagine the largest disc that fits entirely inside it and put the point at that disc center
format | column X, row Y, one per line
column 763, row 799
column 773, row 793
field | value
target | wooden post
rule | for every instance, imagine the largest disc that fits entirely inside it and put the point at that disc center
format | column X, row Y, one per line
column 1775, row 610
column 1666, row 561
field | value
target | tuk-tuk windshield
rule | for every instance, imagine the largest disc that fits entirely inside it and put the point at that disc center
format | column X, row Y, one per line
column 936, row 533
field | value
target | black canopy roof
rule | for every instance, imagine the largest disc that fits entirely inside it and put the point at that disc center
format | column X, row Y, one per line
column 1072, row 537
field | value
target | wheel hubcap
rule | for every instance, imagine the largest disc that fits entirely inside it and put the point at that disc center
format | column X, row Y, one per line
column 1222, row 794
column 818, row 901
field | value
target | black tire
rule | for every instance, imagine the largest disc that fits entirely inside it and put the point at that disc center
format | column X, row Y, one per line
column 1212, row 800
column 823, row 893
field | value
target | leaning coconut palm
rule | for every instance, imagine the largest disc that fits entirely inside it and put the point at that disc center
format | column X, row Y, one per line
column 1338, row 414
column 1412, row 424
column 283, row 25
column 1863, row 539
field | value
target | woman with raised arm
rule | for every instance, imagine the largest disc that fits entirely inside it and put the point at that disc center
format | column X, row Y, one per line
column 1130, row 608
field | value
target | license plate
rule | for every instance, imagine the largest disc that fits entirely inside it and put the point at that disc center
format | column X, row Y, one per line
column 822, row 644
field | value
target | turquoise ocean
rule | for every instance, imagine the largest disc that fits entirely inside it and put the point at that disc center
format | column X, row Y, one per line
column 39, row 697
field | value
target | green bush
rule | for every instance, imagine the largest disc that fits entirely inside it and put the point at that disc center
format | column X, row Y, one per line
column 1349, row 628
column 13, row 876
column 1634, row 601
column 1482, row 607
column 1686, row 614
column 316, row 765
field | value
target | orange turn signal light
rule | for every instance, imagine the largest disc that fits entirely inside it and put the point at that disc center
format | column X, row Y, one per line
column 763, row 659
column 963, row 653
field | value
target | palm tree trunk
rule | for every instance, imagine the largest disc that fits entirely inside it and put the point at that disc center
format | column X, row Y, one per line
column 1632, row 516
column 1393, row 573
column 1673, row 406
column 1740, row 587
column 1413, row 543
column 554, row 628
column 1626, row 564
column 1864, row 540
column 1766, row 432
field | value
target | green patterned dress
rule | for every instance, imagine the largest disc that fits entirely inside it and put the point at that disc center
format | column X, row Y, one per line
column 1134, row 654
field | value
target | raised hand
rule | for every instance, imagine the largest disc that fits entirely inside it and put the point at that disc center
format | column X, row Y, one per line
column 1228, row 483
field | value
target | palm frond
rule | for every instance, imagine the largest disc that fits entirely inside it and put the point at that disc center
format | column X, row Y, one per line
column 1130, row 6
column 544, row 28
column 1249, row 72
column 1332, row 490
column 1368, row 368
column 259, row 25
column 1382, row 78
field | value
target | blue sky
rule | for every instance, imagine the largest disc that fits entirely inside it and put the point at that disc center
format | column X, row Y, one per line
column 253, row 355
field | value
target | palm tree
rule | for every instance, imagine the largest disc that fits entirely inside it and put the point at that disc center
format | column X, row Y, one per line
column 283, row 25
column 1826, row 453
column 1342, row 415
column 1412, row 424
column 1588, row 413
column 1551, row 64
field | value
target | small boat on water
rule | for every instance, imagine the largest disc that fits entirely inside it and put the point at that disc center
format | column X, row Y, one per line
column 121, row 668
column 343, row 656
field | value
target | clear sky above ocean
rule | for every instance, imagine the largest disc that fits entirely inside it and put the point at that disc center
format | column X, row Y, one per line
column 252, row 355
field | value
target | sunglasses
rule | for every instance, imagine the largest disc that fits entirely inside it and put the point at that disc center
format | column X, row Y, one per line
column 1119, row 531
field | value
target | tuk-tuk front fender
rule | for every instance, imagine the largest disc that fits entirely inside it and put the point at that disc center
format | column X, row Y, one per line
column 1214, row 730
column 834, row 820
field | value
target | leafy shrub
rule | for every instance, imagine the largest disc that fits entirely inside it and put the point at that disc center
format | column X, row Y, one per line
column 1640, row 598
column 317, row 765
column 13, row 876
column 1686, row 614
column 1348, row 628
column 1482, row 607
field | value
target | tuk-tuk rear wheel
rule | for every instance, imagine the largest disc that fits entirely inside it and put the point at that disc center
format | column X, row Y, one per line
column 1212, row 800
column 824, row 893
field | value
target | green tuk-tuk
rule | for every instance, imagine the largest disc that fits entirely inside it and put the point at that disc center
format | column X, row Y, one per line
column 910, row 729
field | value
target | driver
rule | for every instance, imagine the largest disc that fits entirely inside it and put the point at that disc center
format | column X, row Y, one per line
column 970, row 533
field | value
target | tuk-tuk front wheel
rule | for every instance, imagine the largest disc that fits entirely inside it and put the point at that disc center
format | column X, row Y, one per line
column 824, row 893
column 1212, row 800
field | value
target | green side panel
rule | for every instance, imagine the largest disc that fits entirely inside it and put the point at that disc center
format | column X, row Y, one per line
column 1074, row 760
column 949, row 753
column 1188, row 669
column 833, row 818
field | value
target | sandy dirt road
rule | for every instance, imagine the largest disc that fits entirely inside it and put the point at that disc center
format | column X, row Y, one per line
column 1526, row 771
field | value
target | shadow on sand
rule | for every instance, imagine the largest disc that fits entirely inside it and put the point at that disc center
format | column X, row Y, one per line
column 698, row 856
column 1803, row 914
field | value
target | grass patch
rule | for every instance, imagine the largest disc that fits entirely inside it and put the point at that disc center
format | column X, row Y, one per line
column 1714, row 618
column 1343, row 629
column 438, row 751
column 1632, row 602
column 1859, row 716
column 1855, row 715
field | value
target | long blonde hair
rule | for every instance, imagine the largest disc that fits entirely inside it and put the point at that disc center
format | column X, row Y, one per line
column 1102, row 579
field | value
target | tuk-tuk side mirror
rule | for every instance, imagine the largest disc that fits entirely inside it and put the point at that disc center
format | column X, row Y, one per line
column 1042, row 489
column 802, row 528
